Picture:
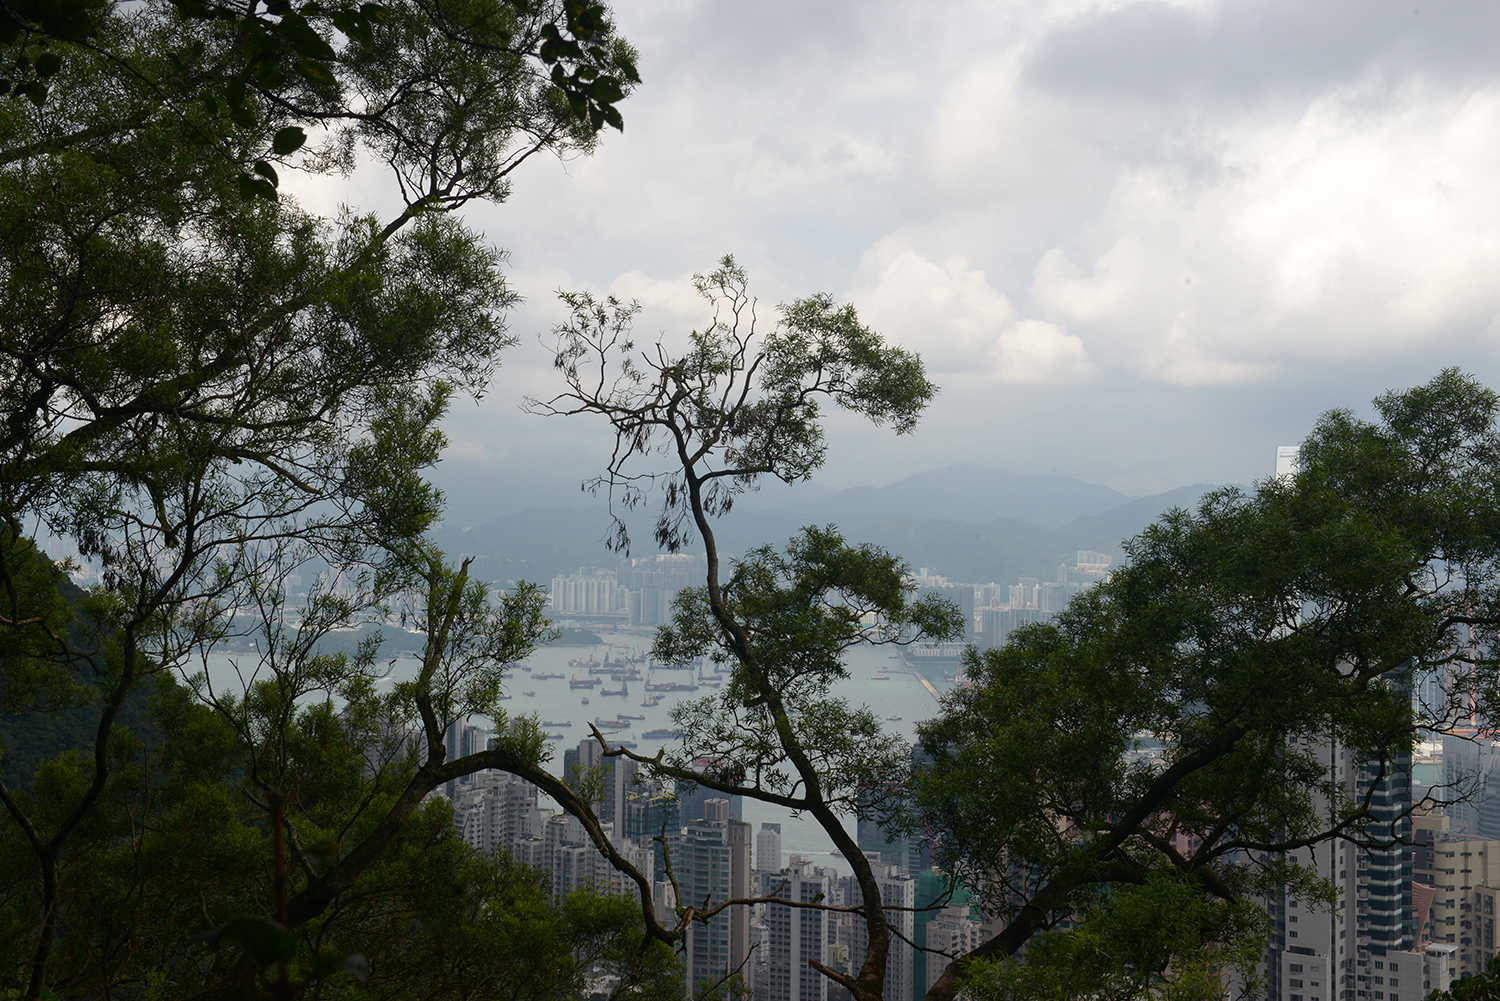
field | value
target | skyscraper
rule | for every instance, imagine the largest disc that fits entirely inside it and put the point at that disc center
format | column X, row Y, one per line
column 768, row 848
column 896, row 891
column 1364, row 948
column 714, row 866
column 794, row 935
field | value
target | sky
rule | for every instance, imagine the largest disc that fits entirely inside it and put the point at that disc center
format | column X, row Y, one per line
column 1137, row 243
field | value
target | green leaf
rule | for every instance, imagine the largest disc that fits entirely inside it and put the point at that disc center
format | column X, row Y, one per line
column 607, row 90
column 259, row 42
column 34, row 92
column 252, row 188
column 303, row 39
column 267, row 70
column 288, row 140
column 235, row 92
column 316, row 72
column 47, row 64
column 356, row 26
column 243, row 116
column 266, row 940
column 210, row 103
column 267, row 171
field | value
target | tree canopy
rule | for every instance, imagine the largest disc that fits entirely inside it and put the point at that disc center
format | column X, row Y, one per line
column 736, row 403
column 1164, row 735
column 207, row 388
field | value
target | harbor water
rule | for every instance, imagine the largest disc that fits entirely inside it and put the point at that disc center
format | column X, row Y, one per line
column 540, row 686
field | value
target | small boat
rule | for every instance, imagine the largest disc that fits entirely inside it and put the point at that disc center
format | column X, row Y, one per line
column 555, row 736
column 662, row 734
column 532, row 694
column 628, row 716
column 584, row 702
column 893, row 719
column 881, row 677
column 616, row 724
column 546, row 677
column 553, row 722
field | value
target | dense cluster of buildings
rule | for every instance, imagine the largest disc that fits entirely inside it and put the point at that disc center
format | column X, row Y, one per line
column 639, row 593
column 1409, row 918
column 713, row 858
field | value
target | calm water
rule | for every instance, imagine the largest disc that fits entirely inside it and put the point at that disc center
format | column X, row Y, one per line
column 556, row 703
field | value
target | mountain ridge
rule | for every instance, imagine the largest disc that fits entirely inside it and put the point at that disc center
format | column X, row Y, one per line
column 911, row 517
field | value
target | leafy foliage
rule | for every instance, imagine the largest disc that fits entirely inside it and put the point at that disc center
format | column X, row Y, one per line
column 182, row 844
column 1173, row 723
column 208, row 388
column 735, row 405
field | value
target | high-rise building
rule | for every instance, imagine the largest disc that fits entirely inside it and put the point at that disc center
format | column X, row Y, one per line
column 692, row 797
column 653, row 813
column 714, row 866
column 996, row 624
column 608, row 778
column 793, row 936
column 950, row 932
column 1364, row 948
column 505, row 813
column 459, row 741
column 768, row 848
column 1457, row 881
column 896, row 891
column 588, row 592
column 1471, row 782
column 1366, row 941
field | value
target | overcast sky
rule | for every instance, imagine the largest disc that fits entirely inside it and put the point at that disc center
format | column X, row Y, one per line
column 1139, row 243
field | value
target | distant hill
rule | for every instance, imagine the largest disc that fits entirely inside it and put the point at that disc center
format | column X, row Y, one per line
column 966, row 522
column 978, row 494
column 1008, row 548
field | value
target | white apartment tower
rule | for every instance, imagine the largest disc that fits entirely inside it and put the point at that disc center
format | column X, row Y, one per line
column 768, row 848
column 793, row 936
column 713, row 865
column 896, row 891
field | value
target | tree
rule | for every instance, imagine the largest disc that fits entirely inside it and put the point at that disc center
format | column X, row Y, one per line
column 183, row 843
column 1239, row 640
column 737, row 404
column 206, row 386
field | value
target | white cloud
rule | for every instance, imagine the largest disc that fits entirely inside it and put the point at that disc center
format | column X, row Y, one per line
column 1361, row 226
column 951, row 314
